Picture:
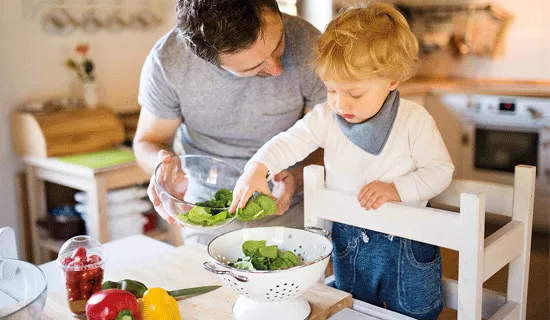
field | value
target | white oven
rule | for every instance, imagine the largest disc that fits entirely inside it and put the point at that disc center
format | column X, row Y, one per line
column 496, row 133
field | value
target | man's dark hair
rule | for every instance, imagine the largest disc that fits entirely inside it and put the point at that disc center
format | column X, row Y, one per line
column 211, row 27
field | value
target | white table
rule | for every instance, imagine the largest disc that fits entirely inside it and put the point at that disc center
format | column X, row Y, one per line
column 350, row 314
column 121, row 254
column 159, row 264
column 364, row 311
column 133, row 251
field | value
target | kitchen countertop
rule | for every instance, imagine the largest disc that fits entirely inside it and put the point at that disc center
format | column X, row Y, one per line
column 422, row 86
column 161, row 265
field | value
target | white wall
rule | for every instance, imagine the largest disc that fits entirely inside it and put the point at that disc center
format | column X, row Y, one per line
column 31, row 66
column 318, row 13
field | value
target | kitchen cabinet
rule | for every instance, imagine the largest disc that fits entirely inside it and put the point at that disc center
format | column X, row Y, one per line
column 449, row 125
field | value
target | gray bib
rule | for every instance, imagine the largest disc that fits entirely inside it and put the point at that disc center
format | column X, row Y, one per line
column 371, row 135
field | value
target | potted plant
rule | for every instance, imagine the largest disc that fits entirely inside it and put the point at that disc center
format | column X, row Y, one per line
column 85, row 72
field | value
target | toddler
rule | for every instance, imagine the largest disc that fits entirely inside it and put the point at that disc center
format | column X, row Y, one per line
column 376, row 145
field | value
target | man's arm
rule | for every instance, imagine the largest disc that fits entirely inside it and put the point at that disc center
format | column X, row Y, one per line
column 316, row 157
column 152, row 135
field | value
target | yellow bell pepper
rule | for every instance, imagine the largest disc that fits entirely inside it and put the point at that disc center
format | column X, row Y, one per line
column 157, row 305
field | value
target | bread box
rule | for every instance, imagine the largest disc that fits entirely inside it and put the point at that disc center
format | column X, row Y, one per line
column 64, row 132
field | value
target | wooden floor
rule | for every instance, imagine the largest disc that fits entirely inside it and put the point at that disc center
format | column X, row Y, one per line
column 538, row 296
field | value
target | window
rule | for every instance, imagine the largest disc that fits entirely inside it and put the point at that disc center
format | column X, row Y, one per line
column 288, row 6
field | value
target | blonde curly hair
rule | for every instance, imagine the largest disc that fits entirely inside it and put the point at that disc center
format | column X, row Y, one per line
column 367, row 41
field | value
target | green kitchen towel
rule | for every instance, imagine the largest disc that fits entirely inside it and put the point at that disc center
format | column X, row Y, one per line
column 100, row 159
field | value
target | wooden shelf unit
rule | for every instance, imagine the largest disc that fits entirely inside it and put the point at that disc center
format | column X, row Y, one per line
column 96, row 183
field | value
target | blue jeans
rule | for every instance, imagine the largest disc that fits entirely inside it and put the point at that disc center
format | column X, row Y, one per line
column 400, row 274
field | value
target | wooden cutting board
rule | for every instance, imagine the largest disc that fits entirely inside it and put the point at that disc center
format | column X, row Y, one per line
column 182, row 269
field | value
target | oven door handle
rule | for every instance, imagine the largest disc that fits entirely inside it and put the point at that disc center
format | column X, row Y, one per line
column 513, row 127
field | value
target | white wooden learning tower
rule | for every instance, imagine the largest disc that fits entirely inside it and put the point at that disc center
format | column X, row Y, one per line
column 479, row 257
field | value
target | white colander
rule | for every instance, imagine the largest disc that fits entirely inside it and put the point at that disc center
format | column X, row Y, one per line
column 274, row 294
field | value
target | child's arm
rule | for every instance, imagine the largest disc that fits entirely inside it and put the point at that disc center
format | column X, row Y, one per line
column 434, row 166
column 281, row 152
column 293, row 145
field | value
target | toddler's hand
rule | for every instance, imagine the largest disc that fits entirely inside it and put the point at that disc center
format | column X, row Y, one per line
column 252, row 180
column 376, row 193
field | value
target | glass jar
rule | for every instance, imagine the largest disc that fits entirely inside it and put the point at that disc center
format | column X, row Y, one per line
column 82, row 259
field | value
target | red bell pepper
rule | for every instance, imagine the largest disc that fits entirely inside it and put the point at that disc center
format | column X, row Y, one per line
column 112, row 304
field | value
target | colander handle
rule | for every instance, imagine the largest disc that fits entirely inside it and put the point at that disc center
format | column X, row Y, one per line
column 317, row 230
column 212, row 268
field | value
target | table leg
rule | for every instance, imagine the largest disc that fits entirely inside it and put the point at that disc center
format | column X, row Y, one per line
column 36, row 192
column 97, row 215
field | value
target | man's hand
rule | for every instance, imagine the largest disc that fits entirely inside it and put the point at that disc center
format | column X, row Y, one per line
column 376, row 193
column 176, row 185
column 284, row 187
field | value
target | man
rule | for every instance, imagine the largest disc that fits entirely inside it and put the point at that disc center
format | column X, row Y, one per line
column 231, row 75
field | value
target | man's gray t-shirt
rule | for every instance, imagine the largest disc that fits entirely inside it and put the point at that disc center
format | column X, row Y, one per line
column 226, row 116
column 230, row 117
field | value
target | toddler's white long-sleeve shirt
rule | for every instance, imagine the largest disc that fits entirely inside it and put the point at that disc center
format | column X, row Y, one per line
column 415, row 157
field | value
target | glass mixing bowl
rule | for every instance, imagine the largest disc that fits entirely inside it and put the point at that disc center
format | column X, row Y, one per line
column 196, row 179
column 23, row 290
